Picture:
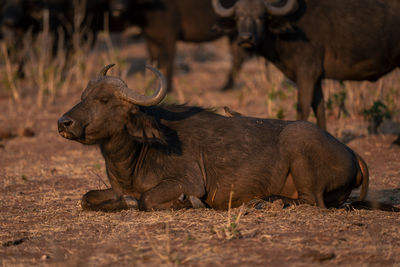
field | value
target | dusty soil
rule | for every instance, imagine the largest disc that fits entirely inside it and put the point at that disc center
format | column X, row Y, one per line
column 43, row 177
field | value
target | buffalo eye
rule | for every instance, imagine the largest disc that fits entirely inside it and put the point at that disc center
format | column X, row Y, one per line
column 104, row 100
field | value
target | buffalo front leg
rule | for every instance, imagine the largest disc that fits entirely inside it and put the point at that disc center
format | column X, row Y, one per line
column 310, row 95
column 164, row 53
column 166, row 195
column 318, row 105
column 107, row 200
column 239, row 55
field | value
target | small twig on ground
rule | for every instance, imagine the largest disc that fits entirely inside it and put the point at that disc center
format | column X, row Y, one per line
column 163, row 257
column 99, row 177
column 167, row 256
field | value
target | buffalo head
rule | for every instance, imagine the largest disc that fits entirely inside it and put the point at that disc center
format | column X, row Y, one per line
column 12, row 13
column 119, row 7
column 251, row 15
column 109, row 108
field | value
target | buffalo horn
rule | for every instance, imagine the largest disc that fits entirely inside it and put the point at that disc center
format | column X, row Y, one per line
column 104, row 70
column 143, row 100
column 221, row 11
column 289, row 7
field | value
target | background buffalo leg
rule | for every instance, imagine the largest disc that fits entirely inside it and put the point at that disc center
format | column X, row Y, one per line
column 239, row 55
column 318, row 105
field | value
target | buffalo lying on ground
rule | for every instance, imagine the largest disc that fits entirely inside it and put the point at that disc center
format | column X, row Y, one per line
column 165, row 22
column 309, row 40
column 157, row 154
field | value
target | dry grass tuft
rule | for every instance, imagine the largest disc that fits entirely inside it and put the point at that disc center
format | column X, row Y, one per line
column 231, row 229
column 10, row 74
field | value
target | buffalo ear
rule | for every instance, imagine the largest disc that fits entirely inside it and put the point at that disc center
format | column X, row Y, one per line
column 144, row 127
column 280, row 27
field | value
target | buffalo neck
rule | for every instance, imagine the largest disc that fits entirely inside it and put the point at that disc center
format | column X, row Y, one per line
column 122, row 156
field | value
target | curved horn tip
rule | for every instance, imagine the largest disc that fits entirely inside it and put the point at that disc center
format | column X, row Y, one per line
column 289, row 7
column 104, row 70
column 158, row 74
column 221, row 11
column 144, row 100
column 150, row 67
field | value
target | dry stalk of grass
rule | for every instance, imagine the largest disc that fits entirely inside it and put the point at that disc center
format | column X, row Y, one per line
column 109, row 57
column 77, row 34
column 231, row 229
column 170, row 258
column 112, row 54
column 59, row 63
column 163, row 256
column 81, row 64
column 44, row 69
column 41, row 60
column 100, row 180
column 15, row 95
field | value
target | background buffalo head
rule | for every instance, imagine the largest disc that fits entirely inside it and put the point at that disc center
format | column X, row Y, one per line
column 251, row 16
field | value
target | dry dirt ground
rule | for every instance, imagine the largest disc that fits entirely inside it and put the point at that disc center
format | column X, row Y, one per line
column 43, row 177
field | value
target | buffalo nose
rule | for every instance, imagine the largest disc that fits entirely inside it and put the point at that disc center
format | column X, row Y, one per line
column 246, row 36
column 64, row 123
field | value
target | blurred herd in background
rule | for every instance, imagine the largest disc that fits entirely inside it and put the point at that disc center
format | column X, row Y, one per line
column 45, row 46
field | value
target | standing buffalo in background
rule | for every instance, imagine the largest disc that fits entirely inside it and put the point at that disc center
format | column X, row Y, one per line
column 164, row 22
column 24, row 15
column 156, row 154
column 309, row 40
column 84, row 17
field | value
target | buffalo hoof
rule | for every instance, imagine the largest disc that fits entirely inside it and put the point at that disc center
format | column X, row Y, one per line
column 130, row 202
column 85, row 203
column 228, row 86
column 396, row 142
column 196, row 203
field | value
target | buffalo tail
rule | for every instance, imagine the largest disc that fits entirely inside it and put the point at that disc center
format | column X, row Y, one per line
column 362, row 178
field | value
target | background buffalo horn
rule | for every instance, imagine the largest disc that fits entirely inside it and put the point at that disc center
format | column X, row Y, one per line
column 221, row 11
column 143, row 100
column 289, row 7
column 104, row 70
